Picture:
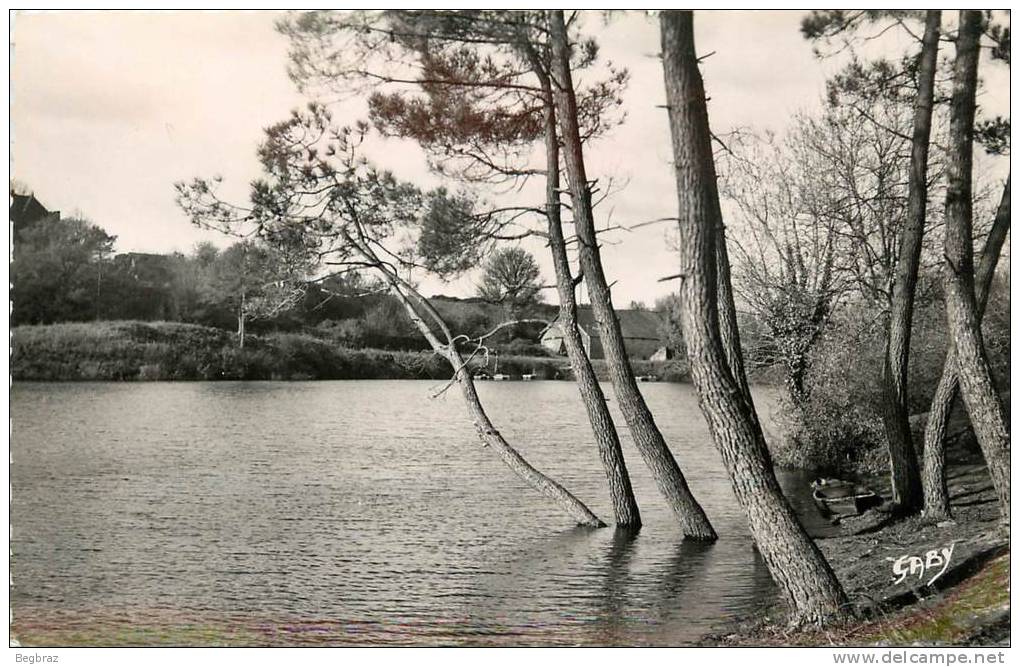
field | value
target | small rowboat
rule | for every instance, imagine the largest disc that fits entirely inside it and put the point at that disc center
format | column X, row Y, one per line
column 835, row 497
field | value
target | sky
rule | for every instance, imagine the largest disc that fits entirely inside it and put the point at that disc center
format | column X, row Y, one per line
column 110, row 109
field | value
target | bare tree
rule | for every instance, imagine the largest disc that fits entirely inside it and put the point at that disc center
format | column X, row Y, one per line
column 798, row 567
column 323, row 201
column 254, row 282
column 787, row 243
column 819, row 213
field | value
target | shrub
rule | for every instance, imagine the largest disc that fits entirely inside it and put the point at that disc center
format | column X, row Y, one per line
column 150, row 372
column 523, row 348
column 839, row 425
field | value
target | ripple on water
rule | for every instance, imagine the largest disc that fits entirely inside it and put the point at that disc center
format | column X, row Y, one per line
column 351, row 513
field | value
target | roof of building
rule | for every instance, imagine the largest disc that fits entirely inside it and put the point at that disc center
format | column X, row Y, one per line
column 635, row 324
column 26, row 208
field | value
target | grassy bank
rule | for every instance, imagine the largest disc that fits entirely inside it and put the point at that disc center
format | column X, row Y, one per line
column 130, row 350
column 175, row 351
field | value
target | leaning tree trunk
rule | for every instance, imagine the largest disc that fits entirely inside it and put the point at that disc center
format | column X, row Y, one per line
column 906, row 475
column 646, row 434
column 488, row 434
column 796, row 564
column 933, row 478
column 621, row 493
column 975, row 375
column 492, row 438
column 728, row 329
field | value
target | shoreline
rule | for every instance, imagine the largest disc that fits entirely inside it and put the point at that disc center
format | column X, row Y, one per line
column 134, row 351
column 964, row 603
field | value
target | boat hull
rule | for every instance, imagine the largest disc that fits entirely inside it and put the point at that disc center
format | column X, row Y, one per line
column 854, row 505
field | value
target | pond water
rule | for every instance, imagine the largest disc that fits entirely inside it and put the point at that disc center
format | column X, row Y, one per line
column 359, row 512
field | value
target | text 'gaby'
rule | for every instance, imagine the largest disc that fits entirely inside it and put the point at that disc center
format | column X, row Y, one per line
column 920, row 566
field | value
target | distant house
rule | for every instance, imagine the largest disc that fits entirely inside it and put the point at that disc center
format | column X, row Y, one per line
column 26, row 210
column 640, row 330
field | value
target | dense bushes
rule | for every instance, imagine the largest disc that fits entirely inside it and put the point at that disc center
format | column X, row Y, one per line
column 112, row 350
column 523, row 347
column 838, row 427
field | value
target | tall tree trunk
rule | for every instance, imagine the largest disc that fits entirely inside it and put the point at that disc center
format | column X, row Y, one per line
column 486, row 431
column 793, row 559
column 975, row 376
column 906, row 475
column 646, row 434
column 933, row 478
column 625, row 508
column 240, row 322
column 99, row 287
column 727, row 306
column 728, row 309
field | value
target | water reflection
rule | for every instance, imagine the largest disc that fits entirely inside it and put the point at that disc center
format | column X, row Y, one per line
column 686, row 566
column 614, row 598
column 357, row 512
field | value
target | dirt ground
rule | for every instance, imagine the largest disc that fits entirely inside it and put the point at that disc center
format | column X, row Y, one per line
column 967, row 604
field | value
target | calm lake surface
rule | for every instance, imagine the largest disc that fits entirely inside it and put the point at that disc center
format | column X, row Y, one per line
column 355, row 512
